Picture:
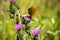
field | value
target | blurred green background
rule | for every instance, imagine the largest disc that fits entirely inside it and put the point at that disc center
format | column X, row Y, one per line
column 47, row 18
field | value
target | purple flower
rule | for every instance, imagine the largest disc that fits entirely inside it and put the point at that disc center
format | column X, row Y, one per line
column 12, row 1
column 19, row 26
column 36, row 31
column 27, row 18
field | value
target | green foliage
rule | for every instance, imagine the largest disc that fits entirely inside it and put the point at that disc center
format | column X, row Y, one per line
column 47, row 19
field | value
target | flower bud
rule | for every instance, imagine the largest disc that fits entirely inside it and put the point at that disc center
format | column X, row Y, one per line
column 12, row 1
column 36, row 31
column 19, row 26
column 27, row 18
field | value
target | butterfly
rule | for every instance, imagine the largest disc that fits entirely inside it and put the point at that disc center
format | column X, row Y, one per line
column 32, row 11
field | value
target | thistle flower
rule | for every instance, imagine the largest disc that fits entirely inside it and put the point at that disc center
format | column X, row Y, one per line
column 19, row 26
column 36, row 31
column 27, row 18
column 12, row 1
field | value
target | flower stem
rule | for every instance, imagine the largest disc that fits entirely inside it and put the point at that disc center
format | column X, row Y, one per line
column 19, row 36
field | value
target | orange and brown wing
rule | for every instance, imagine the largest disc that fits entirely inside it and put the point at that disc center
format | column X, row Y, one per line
column 32, row 11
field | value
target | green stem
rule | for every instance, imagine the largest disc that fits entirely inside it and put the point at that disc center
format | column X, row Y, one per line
column 19, row 36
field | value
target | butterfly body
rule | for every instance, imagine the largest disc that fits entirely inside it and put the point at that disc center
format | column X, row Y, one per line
column 32, row 11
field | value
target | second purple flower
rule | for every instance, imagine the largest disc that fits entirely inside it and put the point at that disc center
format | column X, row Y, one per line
column 27, row 18
column 19, row 26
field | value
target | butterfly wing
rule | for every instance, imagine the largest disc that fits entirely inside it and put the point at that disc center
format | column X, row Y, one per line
column 32, row 11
